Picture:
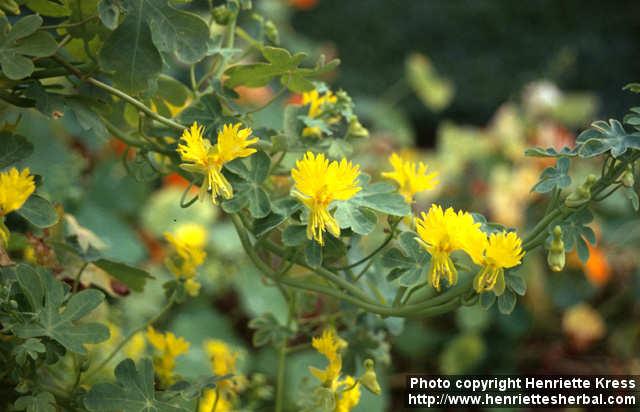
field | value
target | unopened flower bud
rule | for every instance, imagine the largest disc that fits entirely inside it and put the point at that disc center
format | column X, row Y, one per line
column 627, row 178
column 356, row 129
column 556, row 256
column 271, row 31
column 582, row 194
column 221, row 15
column 369, row 379
column 84, row 365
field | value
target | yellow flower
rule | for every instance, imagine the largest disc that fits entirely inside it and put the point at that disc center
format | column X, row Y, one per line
column 15, row 189
column 503, row 250
column 346, row 391
column 192, row 287
column 169, row 347
column 330, row 345
column 412, row 178
column 349, row 397
column 186, row 249
column 203, row 158
column 136, row 346
column 316, row 104
column 223, row 362
column 319, row 182
column 210, row 399
column 442, row 232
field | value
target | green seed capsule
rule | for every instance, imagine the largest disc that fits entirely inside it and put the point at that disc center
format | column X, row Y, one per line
column 556, row 257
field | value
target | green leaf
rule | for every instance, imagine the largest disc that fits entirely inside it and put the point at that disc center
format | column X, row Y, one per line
column 248, row 191
column 129, row 53
column 554, row 177
column 294, row 235
column 141, row 168
column 13, row 148
column 632, row 87
column 487, row 299
column 280, row 63
column 29, row 348
column 39, row 212
column 409, row 264
column 507, row 302
column 54, row 105
column 268, row 223
column 134, row 278
column 193, row 389
column 109, row 13
column 207, row 111
column 361, row 220
column 633, row 118
column 313, row 253
column 381, row 197
column 49, row 8
column 52, row 320
column 292, row 125
column 133, row 391
column 550, row 152
column 255, row 168
column 575, row 233
column 42, row 402
column 516, row 283
column 606, row 137
column 175, row 31
column 268, row 331
column 356, row 213
column 21, row 42
column 31, row 284
column 171, row 95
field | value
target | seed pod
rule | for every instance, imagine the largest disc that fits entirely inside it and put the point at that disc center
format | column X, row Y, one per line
column 582, row 194
column 356, row 129
column 556, row 257
column 369, row 379
column 271, row 31
column 627, row 178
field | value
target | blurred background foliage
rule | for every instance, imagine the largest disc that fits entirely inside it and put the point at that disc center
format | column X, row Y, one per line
column 465, row 86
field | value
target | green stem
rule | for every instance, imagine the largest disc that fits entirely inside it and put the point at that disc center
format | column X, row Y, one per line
column 118, row 93
column 323, row 272
column 131, row 334
column 192, row 78
column 69, row 25
column 536, row 237
column 399, row 294
column 374, row 252
column 76, row 280
column 282, row 353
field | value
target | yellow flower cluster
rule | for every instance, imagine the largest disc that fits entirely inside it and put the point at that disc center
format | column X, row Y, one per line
column 223, row 362
column 411, row 178
column 501, row 251
column 168, row 348
column 201, row 157
column 318, row 183
column 317, row 103
column 187, row 254
column 442, row 232
column 15, row 189
column 347, row 389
